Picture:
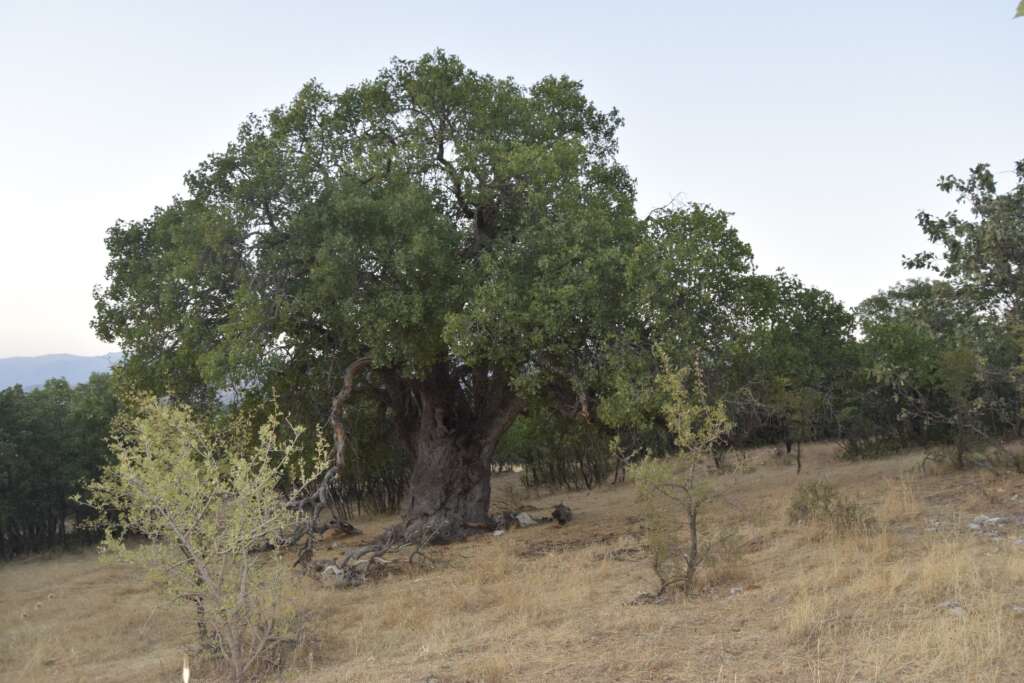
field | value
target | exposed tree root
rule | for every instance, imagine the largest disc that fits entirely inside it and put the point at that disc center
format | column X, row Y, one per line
column 361, row 563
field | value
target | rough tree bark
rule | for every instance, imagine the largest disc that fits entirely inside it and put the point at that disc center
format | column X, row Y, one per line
column 452, row 446
column 450, row 488
column 450, row 422
column 340, row 403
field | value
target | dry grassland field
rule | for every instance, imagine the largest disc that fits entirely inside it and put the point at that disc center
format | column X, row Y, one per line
column 933, row 593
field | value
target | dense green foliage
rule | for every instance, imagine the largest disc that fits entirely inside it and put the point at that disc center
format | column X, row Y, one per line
column 559, row 452
column 983, row 254
column 431, row 215
column 941, row 359
column 788, row 372
column 52, row 441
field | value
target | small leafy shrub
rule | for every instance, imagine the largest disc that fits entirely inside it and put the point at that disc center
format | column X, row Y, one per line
column 665, row 505
column 818, row 501
column 680, row 481
column 206, row 502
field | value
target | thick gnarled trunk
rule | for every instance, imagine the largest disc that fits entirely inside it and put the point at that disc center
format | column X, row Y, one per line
column 450, row 488
column 450, row 421
column 453, row 443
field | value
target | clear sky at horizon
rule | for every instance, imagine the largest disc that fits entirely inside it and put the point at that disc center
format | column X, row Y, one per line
column 822, row 126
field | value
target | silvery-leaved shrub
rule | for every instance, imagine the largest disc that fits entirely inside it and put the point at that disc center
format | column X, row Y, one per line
column 205, row 502
column 665, row 485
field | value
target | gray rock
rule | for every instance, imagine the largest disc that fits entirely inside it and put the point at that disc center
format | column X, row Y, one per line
column 506, row 520
column 954, row 608
column 334, row 577
column 525, row 520
column 985, row 520
column 562, row 514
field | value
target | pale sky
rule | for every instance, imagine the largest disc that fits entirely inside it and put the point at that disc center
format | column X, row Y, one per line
column 822, row 125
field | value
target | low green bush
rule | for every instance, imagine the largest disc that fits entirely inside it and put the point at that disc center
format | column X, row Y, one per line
column 818, row 501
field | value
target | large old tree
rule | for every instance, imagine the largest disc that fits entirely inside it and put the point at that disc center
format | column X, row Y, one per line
column 449, row 245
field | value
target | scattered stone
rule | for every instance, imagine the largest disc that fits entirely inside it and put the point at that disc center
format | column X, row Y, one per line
column 562, row 514
column 524, row 520
column 334, row 577
column 954, row 608
column 994, row 527
column 735, row 590
column 505, row 521
column 1018, row 610
column 985, row 520
column 499, row 532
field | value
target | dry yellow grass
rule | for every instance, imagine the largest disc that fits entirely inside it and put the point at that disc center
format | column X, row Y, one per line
column 550, row 604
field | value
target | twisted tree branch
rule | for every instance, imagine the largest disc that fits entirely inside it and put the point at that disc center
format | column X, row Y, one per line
column 338, row 406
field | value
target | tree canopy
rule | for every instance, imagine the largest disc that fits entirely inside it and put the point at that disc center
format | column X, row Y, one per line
column 467, row 243
column 983, row 254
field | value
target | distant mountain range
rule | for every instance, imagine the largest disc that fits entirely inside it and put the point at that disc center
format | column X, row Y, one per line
column 33, row 371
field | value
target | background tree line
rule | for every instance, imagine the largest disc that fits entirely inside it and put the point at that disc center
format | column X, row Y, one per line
column 52, row 442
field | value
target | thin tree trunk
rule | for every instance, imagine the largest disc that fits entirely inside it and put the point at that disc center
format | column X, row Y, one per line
column 693, row 556
column 960, row 445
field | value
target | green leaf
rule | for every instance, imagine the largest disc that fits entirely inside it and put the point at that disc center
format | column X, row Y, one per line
column 1020, row 10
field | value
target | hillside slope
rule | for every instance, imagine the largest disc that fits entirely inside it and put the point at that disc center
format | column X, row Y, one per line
column 924, row 597
column 33, row 371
